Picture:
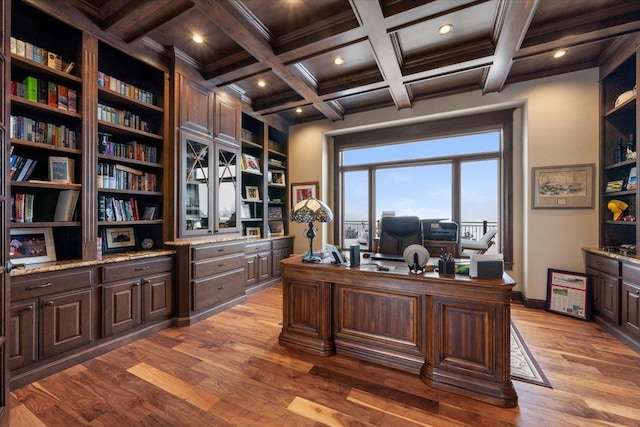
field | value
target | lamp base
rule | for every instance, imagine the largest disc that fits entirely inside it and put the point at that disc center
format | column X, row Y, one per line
column 311, row 259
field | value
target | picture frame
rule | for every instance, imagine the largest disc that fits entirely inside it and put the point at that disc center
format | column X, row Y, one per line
column 253, row 232
column 277, row 178
column 632, row 180
column 563, row 187
column 303, row 190
column 615, row 185
column 250, row 163
column 245, row 211
column 274, row 212
column 119, row 238
column 276, row 228
column 252, row 192
column 32, row 245
column 61, row 169
column 569, row 293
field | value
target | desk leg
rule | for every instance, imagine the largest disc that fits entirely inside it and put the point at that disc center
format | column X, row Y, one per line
column 307, row 311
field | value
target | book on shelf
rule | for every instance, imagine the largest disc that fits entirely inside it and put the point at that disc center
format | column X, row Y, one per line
column 31, row 88
column 21, row 168
column 43, row 90
column 28, row 207
column 63, row 97
column 52, row 94
column 23, row 207
column 66, row 205
column 632, row 181
column 149, row 213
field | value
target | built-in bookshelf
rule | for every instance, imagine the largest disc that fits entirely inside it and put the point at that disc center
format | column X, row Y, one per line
column 264, row 198
column 45, row 129
column 130, row 144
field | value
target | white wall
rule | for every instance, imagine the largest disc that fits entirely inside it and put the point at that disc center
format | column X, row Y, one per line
column 556, row 123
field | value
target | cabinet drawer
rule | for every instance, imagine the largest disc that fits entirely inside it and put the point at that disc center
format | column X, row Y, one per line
column 217, row 265
column 208, row 292
column 47, row 283
column 631, row 272
column 282, row 243
column 254, row 248
column 216, row 250
column 606, row 265
column 133, row 269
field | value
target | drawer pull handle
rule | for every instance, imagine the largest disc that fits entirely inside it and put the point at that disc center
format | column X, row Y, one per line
column 220, row 249
column 49, row 303
column 146, row 281
column 27, row 308
column 222, row 264
column 33, row 288
column 220, row 287
column 146, row 267
column 134, row 285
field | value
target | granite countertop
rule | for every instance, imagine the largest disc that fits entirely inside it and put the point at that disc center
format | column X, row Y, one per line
column 220, row 239
column 635, row 259
column 106, row 259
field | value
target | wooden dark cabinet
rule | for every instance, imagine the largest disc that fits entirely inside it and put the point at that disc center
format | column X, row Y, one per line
column 196, row 107
column 605, row 274
column 227, row 123
column 23, row 332
column 630, row 321
column 282, row 249
column 65, row 322
column 258, row 263
column 135, row 292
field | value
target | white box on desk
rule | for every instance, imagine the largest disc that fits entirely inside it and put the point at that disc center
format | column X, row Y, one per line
column 486, row 266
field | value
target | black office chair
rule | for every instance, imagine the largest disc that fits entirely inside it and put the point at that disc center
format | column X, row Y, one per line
column 398, row 232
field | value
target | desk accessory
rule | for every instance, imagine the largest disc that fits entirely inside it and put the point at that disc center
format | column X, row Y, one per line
column 416, row 257
column 310, row 210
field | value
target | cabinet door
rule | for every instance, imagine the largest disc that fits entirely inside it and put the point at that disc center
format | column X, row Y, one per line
column 196, row 201
column 631, row 309
column 598, row 290
column 22, row 325
column 610, row 303
column 65, row 322
column 157, row 296
column 264, row 266
column 278, row 255
column 227, row 123
column 228, row 197
column 251, row 270
column 120, row 306
column 196, row 107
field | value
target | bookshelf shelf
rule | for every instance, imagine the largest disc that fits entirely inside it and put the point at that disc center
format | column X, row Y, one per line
column 52, row 224
column 44, row 184
column 112, row 96
column 44, row 146
column 115, row 128
column 28, row 65
column 37, row 106
column 130, row 161
column 136, row 222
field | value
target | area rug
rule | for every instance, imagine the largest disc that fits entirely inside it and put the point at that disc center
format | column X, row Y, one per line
column 523, row 366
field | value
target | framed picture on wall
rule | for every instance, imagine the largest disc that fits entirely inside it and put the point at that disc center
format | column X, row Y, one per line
column 562, row 187
column 303, row 190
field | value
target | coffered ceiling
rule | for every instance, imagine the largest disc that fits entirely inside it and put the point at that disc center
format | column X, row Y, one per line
column 392, row 51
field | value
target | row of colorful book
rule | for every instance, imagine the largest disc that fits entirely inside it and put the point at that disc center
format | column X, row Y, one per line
column 114, row 209
column 122, row 117
column 21, row 168
column 45, row 92
column 40, row 55
column 124, row 88
column 122, row 177
column 28, row 129
column 129, row 150
column 22, row 206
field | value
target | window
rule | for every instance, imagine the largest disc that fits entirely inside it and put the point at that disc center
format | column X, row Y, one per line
column 455, row 169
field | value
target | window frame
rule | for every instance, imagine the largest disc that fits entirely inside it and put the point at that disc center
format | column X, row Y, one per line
column 501, row 120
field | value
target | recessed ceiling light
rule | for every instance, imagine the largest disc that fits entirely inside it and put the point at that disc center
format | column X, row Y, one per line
column 445, row 29
column 197, row 38
column 298, row 110
column 338, row 60
column 262, row 83
column 560, row 54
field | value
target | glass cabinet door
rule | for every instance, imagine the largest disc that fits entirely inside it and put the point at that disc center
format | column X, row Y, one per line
column 227, row 189
column 196, row 195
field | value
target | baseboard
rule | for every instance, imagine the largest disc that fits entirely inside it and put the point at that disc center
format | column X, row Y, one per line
column 529, row 303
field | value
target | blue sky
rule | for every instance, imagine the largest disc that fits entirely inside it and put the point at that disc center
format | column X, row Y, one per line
column 425, row 191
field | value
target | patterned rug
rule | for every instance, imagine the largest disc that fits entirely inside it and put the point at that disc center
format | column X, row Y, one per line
column 523, row 366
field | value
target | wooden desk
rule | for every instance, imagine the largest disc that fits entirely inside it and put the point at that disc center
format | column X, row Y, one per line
column 452, row 331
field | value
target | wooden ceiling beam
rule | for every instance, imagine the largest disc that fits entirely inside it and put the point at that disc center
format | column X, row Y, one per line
column 229, row 20
column 372, row 20
column 510, row 29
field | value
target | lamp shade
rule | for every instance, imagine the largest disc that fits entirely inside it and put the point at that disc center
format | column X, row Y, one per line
column 310, row 210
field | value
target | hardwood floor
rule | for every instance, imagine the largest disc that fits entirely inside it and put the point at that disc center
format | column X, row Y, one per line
column 229, row 370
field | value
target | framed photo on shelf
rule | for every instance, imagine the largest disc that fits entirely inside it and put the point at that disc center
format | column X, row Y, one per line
column 277, row 178
column 275, row 212
column 252, row 192
column 303, row 190
column 562, row 187
column 250, row 163
column 568, row 293
column 614, row 186
column 245, row 211
column 119, row 238
column 61, row 169
column 632, row 181
column 253, row 232
column 32, row 245
column 276, row 228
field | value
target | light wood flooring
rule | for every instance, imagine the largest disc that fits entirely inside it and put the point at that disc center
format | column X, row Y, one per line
column 229, row 370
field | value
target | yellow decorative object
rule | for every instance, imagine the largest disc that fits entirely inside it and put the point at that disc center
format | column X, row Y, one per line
column 617, row 207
